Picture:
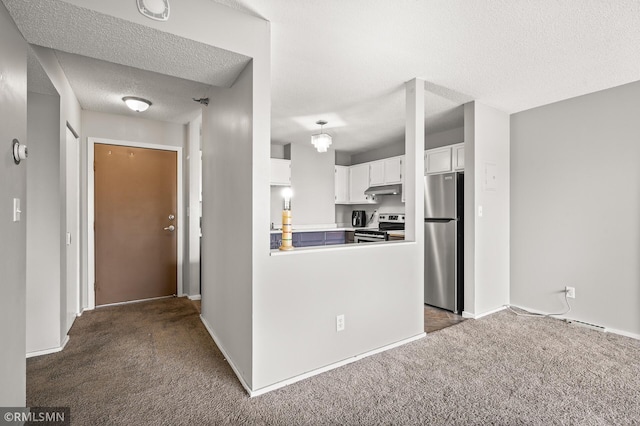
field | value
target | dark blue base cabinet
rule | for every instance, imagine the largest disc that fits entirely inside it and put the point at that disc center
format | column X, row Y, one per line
column 311, row 239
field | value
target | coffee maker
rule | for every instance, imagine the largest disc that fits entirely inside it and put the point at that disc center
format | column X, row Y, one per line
column 358, row 218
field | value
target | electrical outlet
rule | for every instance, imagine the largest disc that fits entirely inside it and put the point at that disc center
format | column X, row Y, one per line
column 571, row 292
column 340, row 323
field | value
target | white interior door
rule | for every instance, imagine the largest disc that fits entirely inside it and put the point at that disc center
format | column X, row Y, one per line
column 73, row 228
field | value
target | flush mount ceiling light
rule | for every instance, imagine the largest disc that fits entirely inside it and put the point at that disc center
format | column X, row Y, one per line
column 136, row 104
column 154, row 9
column 322, row 140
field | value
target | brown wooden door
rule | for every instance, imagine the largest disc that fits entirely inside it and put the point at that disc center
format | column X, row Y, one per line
column 135, row 195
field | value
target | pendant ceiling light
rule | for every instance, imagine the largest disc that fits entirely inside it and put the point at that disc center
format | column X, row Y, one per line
column 322, row 140
column 136, row 104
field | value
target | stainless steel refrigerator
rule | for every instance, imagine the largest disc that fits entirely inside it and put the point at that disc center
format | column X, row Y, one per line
column 444, row 241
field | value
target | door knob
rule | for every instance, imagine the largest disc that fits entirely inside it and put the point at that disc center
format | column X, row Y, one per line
column 170, row 228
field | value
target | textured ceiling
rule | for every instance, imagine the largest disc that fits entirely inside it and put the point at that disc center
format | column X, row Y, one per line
column 100, row 86
column 346, row 61
column 62, row 26
column 111, row 58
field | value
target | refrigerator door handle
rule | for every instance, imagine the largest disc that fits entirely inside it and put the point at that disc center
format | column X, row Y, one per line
column 438, row 220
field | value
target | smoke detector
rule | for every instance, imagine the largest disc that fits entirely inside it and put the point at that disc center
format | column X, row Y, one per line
column 154, row 9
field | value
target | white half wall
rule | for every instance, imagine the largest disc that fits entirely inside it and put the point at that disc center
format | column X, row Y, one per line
column 575, row 207
column 297, row 295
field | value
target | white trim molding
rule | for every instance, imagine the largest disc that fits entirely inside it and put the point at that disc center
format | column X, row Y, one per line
column 195, row 297
column 50, row 350
column 466, row 314
column 91, row 270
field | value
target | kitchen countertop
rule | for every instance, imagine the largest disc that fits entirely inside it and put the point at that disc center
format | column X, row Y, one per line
column 319, row 229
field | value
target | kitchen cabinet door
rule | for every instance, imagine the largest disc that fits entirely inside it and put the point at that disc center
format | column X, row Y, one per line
column 334, row 237
column 437, row 160
column 376, row 173
column 280, row 172
column 341, row 182
column 458, row 156
column 310, row 239
column 358, row 183
column 393, row 170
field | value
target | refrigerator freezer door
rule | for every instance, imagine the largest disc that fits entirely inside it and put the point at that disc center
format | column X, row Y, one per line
column 440, row 264
column 440, row 196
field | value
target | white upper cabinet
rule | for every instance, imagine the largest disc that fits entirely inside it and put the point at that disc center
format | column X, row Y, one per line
column 458, row 156
column 386, row 172
column 358, row 183
column 341, row 184
column 280, row 172
column 443, row 160
column 437, row 160
column 376, row 173
column 393, row 168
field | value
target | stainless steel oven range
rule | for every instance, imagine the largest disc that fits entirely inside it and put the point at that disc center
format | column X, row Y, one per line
column 386, row 222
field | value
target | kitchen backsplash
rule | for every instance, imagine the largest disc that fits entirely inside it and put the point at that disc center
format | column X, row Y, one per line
column 386, row 204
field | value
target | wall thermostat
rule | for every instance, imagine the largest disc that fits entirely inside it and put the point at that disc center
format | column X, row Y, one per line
column 19, row 152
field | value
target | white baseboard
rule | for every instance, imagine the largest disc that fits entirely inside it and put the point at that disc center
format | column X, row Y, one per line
column 252, row 393
column 195, row 297
column 233, row 367
column 466, row 314
column 134, row 301
column 49, row 351
column 623, row 333
column 565, row 318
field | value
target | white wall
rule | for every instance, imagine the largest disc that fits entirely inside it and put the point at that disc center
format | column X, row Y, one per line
column 69, row 116
column 575, row 204
column 13, row 184
column 431, row 140
column 138, row 129
column 312, row 182
column 444, row 138
column 132, row 129
column 43, row 223
column 193, row 185
column 486, row 156
column 391, row 150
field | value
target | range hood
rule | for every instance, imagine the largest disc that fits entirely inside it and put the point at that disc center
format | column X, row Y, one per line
column 384, row 190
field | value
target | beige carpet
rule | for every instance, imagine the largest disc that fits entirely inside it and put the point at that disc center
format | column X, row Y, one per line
column 154, row 363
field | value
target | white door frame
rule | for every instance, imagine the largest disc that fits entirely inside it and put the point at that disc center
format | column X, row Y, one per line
column 91, row 267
